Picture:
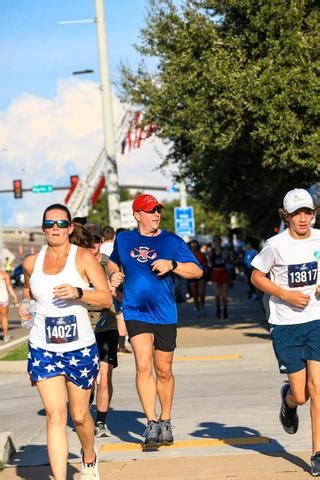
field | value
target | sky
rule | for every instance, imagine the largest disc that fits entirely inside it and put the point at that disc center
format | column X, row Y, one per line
column 50, row 119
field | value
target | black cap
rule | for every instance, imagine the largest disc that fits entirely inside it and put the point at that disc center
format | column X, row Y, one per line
column 93, row 229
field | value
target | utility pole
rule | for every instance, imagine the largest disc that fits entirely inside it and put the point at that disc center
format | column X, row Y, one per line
column 183, row 194
column 112, row 184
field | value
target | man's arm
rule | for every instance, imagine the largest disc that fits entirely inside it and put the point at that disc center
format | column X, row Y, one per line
column 115, row 276
column 294, row 298
column 186, row 270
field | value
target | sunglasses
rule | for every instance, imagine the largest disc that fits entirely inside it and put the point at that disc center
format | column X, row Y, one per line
column 59, row 223
column 154, row 210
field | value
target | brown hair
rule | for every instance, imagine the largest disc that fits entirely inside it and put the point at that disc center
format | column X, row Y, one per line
column 81, row 237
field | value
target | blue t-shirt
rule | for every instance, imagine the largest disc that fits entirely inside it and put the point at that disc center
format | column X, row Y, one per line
column 146, row 296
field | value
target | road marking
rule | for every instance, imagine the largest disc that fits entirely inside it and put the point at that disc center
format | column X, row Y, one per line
column 14, row 342
column 199, row 443
column 207, row 357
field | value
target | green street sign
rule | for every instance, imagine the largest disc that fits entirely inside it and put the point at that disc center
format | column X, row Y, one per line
column 42, row 188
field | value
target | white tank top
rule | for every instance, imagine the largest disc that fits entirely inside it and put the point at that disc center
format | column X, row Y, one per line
column 59, row 325
column 4, row 297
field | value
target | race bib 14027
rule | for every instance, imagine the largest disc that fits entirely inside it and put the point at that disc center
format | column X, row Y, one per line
column 302, row 274
column 61, row 329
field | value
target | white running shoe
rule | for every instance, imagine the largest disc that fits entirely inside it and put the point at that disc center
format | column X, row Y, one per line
column 90, row 470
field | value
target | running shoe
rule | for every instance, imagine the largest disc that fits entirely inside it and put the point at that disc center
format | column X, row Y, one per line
column 152, row 435
column 288, row 416
column 101, row 430
column 166, row 437
column 315, row 465
column 90, row 470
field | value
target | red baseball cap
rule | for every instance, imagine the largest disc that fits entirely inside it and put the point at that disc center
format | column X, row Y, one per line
column 145, row 202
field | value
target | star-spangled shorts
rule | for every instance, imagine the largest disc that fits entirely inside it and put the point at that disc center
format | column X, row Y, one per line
column 80, row 367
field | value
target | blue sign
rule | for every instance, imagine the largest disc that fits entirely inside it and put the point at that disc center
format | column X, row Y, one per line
column 184, row 221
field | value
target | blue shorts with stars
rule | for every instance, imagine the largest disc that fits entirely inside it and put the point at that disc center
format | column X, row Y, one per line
column 80, row 367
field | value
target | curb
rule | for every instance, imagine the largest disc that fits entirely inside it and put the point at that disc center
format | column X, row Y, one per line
column 7, row 448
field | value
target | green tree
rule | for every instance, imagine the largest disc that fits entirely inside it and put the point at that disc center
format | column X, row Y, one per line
column 236, row 92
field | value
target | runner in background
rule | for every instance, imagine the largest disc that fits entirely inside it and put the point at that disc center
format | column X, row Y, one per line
column 5, row 290
column 198, row 286
column 219, row 276
column 104, row 323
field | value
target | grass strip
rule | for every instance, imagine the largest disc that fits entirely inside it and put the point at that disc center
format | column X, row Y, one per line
column 18, row 353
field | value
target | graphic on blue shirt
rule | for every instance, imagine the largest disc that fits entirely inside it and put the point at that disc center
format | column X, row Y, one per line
column 148, row 297
column 143, row 254
column 302, row 274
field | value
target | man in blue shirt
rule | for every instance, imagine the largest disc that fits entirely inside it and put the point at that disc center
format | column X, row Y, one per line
column 144, row 260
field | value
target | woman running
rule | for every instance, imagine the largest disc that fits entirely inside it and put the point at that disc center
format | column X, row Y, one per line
column 63, row 360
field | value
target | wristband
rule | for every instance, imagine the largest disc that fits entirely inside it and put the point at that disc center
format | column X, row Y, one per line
column 174, row 265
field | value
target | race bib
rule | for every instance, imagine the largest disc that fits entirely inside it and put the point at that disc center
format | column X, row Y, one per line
column 302, row 274
column 61, row 329
column 102, row 321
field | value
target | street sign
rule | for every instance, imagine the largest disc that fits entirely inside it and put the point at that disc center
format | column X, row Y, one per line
column 126, row 216
column 42, row 188
column 184, row 221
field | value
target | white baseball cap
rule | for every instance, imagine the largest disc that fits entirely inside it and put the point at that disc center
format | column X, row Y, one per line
column 297, row 198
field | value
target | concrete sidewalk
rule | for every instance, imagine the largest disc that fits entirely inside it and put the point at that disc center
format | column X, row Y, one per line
column 293, row 466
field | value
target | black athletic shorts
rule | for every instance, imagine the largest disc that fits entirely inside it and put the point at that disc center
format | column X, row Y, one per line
column 107, row 343
column 164, row 335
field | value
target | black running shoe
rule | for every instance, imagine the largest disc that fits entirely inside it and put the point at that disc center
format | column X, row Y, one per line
column 315, row 465
column 152, row 435
column 166, row 436
column 288, row 416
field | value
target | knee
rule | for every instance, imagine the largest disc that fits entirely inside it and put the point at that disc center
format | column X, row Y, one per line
column 314, row 389
column 164, row 374
column 80, row 417
column 56, row 417
column 144, row 369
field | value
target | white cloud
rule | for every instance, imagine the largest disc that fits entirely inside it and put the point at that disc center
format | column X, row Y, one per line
column 45, row 140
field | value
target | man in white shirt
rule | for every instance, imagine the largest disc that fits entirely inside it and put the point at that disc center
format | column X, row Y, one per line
column 293, row 260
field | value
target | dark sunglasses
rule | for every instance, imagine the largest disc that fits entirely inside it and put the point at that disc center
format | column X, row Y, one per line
column 154, row 210
column 59, row 223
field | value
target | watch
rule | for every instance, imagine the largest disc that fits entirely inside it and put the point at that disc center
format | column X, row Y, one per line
column 80, row 293
column 174, row 265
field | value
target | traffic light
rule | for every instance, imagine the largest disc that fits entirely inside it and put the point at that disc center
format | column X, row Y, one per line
column 17, row 188
column 74, row 179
